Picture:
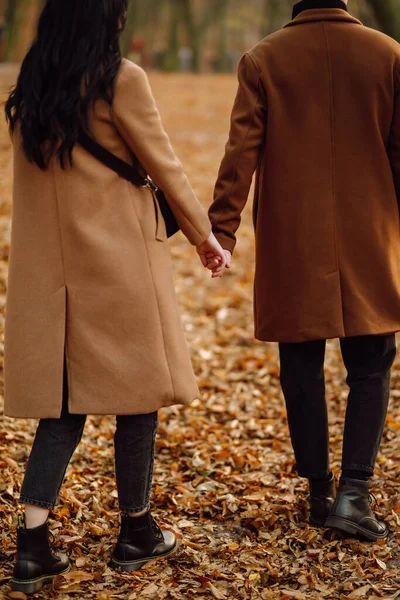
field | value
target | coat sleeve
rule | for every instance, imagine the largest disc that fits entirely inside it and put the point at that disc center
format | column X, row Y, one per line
column 394, row 139
column 242, row 153
column 138, row 121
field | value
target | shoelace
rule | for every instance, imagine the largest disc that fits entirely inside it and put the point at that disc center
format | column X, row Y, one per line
column 51, row 544
column 156, row 529
column 372, row 499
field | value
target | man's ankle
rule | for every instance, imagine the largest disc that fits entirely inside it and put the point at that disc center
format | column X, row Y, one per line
column 356, row 474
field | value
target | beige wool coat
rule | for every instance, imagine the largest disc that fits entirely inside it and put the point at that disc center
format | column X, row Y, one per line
column 90, row 272
column 317, row 116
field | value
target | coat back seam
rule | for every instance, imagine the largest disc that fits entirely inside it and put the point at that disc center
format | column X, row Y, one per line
column 333, row 150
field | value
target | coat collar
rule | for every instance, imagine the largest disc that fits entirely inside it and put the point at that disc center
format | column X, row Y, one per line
column 308, row 4
column 323, row 14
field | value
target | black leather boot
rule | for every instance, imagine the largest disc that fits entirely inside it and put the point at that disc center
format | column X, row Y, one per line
column 139, row 541
column 37, row 562
column 352, row 511
column 322, row 497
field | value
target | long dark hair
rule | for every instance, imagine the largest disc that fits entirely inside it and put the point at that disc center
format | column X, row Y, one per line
column 77, row 44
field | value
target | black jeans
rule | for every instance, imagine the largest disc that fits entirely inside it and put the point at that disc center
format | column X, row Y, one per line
column 368, row 360
column 56, row 440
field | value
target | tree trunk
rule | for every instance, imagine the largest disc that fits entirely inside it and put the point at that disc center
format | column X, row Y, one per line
column 29, row 16
column 129, row 28
column 21, row 25
column 387, row 15
column 272, row 16
column 223, row 63
column 172, row 60
column 188, row 20
column 11, row 30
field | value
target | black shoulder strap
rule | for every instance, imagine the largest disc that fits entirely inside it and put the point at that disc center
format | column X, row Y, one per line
column 122, row 168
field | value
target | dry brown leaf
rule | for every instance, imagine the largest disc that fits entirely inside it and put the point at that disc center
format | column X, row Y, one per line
column 150, row 590
column 17, row 596
column 77, row 576
column 360, row 592
column 11, row 462
column 215, row 592
column 380, row 563
column 286, row 594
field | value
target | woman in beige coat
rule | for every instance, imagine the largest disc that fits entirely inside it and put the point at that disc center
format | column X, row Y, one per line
column 92, row 322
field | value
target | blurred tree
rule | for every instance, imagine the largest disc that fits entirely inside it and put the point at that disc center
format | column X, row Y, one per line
column 216, row 29
column 172, row 59
column 11, row 28
column 194, row 31
column 189, row 23
column 272, row 16
column 196, row 26
column 131, row 24
column 387, row 15
column 21, row 19
column 223, row 61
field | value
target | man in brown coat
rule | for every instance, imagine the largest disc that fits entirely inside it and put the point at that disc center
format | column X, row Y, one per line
column 317, row 116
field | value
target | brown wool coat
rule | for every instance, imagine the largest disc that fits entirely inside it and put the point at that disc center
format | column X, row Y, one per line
column 317, row 115
column 90, row 270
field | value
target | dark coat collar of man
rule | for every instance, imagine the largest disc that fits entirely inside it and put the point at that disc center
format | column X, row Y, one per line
column 309, row 4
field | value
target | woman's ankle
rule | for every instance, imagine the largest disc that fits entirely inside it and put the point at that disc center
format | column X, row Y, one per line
column 325, row 477
column 35, row 516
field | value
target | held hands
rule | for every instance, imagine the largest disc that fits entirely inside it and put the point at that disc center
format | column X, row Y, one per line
column 214, row 257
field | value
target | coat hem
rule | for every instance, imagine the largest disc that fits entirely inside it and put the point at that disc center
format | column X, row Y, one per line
column 46, row 415
column 299, row 338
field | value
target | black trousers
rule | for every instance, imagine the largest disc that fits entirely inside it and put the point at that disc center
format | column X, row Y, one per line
column 368, row 360
column 56, row 440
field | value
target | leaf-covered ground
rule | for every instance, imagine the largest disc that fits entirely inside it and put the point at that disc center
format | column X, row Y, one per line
column 224, row 477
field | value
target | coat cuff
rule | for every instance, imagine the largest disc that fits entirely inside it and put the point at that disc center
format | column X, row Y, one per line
column 226, row 242
column 199, row 236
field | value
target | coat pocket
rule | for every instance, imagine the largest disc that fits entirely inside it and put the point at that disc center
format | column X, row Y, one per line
column 160, row 233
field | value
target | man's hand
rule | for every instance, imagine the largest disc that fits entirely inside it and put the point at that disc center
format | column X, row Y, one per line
column 228, row 256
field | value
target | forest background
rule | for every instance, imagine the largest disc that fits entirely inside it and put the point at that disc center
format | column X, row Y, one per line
column 192, row 35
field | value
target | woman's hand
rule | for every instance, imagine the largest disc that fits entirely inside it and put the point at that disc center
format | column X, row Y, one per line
column 213, row 256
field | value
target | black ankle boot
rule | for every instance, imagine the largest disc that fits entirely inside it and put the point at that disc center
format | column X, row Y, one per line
column 139, row 541
column 37, row 562
column 352, row 511
column 322, row 497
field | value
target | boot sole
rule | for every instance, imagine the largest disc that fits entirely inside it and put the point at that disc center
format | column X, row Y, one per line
column 341, row 524
column 30, row 586
column 130, row 566
column 316, row 523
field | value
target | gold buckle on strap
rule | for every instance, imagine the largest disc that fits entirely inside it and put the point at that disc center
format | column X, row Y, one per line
column 150, row 184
